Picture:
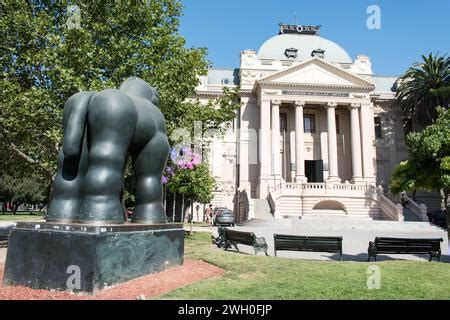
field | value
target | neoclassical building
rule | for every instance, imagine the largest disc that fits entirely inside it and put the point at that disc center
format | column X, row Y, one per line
column 317, row 132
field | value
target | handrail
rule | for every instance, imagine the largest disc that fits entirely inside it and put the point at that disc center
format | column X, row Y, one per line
column 420, row 210
column 392, row 210
column 271, row 202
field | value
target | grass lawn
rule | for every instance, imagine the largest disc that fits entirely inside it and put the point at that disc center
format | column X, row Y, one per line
column 259, row 277
column 21, row 216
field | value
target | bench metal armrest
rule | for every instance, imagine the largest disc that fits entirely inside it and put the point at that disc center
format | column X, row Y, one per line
column 260, row 242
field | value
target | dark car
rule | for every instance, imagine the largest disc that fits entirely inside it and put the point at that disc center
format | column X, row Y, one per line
column 224, row 216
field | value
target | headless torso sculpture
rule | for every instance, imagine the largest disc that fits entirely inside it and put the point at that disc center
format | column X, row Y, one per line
column 100, row 130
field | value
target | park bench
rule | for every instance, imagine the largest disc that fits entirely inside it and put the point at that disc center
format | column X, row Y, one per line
column 307, row 243
column 431, row 246
column 4, row 236
column 3, row 241
column 228, row 238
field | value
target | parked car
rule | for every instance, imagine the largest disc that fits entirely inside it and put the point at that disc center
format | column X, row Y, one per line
column 224, row 216
column 219, row 208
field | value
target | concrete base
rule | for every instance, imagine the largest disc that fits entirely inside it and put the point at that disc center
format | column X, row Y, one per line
column 88, row 258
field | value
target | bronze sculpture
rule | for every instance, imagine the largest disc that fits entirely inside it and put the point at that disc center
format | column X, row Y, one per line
column 100, row 130
column 85, row 227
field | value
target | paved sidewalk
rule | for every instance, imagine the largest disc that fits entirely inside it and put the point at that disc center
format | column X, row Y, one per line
column 355, row 240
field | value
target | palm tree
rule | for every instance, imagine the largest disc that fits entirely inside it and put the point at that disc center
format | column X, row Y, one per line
column 420, row 90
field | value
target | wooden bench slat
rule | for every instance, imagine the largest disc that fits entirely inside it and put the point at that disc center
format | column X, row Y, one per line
column 431, row 246
column 307, row 243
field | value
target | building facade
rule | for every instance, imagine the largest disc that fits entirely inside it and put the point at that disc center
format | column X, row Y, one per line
column 317, row 132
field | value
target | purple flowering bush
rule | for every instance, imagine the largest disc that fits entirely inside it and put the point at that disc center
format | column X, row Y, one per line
column 185, row 173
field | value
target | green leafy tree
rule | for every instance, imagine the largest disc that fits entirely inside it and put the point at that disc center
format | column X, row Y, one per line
column 29, row 189
column 47, row 56
column 428, row 166
column 419, row 92
column 196, row 184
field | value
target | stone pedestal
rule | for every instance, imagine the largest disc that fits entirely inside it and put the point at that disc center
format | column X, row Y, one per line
column 87, row 258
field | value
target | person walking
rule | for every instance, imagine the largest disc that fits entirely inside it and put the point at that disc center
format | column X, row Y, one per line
column 209, row 212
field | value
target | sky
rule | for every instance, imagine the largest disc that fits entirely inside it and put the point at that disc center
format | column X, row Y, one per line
column 409, row 28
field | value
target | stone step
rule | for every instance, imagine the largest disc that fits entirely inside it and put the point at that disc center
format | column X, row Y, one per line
column 409, row 215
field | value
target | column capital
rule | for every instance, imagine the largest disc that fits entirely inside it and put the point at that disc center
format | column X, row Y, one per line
column 275, row 102
column 355, row 105
column 299, row 103
column 331, row 105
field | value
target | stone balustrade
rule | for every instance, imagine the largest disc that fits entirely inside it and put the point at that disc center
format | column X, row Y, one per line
column 391, row 209
column 420, row 210
column 286, row 198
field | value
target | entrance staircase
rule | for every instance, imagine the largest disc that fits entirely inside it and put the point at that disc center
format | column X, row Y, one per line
column 289, row 204
column 262, row 209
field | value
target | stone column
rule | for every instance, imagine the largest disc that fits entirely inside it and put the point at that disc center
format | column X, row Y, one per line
column 332, row 143
column 299, row 143
column 276, row 157
column 264, row 148
column 243, row 160
column 367, row 133
column 355, row 142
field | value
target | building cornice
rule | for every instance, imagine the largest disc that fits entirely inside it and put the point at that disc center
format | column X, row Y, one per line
column 313, row 85
column 287, row 71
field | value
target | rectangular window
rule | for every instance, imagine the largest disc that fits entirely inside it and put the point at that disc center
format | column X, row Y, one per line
column 309, row 123
column 283, row 121
column 337, row 124
column 377, row 122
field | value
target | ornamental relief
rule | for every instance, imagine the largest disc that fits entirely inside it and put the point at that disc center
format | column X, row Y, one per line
column 249, row 76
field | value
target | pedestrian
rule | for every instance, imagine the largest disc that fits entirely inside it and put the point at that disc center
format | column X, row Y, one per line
column 208, row 212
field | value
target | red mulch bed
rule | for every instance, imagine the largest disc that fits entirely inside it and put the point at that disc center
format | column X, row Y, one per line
column 146, row 287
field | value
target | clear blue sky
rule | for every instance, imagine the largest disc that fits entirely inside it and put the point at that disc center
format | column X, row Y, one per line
column 408, row 27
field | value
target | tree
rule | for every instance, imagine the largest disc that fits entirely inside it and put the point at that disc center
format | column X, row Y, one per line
column 428, row 166
column 420, row 90
column 45, row 58
column 29, row 189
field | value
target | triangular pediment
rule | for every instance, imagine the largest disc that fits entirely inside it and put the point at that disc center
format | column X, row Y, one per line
column 317, row 72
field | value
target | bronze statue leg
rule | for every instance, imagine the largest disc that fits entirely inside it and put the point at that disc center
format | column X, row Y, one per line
column 148, row 167
column 67, row 191
column 112, row 119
